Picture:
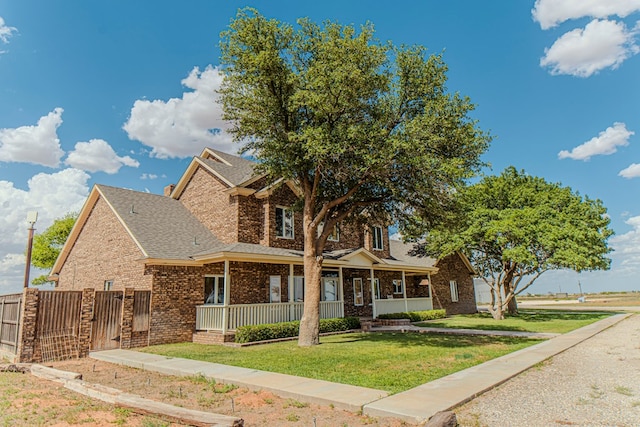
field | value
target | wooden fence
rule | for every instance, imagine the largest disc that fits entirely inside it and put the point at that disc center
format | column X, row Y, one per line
column 10, row 307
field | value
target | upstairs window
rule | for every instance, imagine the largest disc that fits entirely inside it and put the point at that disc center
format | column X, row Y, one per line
column 377, row 242
column 284, row 223
column 335, row 233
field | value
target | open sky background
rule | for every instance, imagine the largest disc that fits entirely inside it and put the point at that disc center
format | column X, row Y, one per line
column 123, row 93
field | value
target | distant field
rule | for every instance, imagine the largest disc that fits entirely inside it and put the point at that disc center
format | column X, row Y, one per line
column 622, row 299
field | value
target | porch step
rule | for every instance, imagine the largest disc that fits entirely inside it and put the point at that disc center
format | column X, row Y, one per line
column 213, row 337
column 367, row 325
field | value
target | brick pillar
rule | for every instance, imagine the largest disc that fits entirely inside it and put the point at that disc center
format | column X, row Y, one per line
column 28, row 325
column 86, row 318
column 126, row 324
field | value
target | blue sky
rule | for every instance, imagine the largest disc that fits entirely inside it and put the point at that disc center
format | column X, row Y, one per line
column 122, row 93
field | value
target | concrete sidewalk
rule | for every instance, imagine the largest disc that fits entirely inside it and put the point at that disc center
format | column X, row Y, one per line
column 343, row 396
column 414, row 406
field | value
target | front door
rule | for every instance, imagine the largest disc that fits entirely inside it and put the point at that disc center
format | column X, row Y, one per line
column 330, row 289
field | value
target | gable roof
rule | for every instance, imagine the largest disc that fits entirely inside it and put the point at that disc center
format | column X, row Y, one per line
column 160, row 226
column 235, row 169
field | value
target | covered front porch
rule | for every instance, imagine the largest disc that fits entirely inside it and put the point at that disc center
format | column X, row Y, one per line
column 356, row 285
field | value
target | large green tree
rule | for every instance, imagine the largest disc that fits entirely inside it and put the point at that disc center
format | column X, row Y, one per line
column 515, row 227
column 47, row 245
column 366, row 130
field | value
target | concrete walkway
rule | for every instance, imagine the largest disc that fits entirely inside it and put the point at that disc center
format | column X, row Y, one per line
column 414, row 406
column 343, row 396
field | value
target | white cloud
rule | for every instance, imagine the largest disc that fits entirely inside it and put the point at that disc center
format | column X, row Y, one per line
column 6, row 31
column 37, row 144
column 632, row 171
column 550, row 13
column 607, row 142
column 52, row 196
column 148, row 176
column 583, row 52
column 182, row 127
column 98, row 156
column 627, row 247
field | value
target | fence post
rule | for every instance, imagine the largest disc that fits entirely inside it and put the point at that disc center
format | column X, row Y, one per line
column 86, row 318
column 126, row 323
column 28, row 325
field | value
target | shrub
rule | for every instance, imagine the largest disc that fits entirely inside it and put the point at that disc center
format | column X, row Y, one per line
column 416, row 316
column 272, row 331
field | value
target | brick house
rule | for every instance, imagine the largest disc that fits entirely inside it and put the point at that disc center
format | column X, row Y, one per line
column 222, row 248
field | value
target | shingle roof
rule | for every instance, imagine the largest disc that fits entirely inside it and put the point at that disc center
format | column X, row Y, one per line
column 240, row 171
column 400, row 253
column 162, row 226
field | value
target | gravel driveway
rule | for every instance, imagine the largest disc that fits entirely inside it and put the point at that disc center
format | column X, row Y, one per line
column 596, row 383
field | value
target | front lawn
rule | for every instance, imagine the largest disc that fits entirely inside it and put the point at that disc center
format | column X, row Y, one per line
column 527, row 321
column 392, row 362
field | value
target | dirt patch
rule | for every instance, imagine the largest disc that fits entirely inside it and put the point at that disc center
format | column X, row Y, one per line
column 257, row 408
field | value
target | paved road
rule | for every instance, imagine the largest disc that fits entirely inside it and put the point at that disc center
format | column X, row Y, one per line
column 595, row 383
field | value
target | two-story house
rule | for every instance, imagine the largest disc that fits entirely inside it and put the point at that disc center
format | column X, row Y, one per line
column 222, row 248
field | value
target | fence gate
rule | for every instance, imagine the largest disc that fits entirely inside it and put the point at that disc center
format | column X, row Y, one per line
column 9, row 322
column 105, row 327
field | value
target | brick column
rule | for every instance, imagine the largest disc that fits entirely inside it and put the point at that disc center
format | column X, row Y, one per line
column 126, row 323
column 28, row 325
column 86, row 317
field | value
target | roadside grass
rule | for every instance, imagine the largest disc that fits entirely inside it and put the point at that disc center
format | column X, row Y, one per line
column 393, row 362
column 548, row 321
column 28, row 401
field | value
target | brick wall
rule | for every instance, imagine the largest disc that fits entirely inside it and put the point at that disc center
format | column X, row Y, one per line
column 368, row 242
column 204, row 197
column 103, row 251
column 177, row 290
column 453, row 268
column 350, row 309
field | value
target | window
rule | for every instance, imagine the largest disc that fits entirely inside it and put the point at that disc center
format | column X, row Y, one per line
column 358, row 292
column 274, row 289
column 377, row 242
column 214, row 290
column 284, row 223
column 108, row 285
column 397, row 287
column 376, row 287
column 454, row 290
column 298, row 288
column 335, row 233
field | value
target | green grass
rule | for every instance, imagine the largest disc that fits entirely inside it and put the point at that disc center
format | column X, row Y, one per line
column 386, row 361
column 552, row 321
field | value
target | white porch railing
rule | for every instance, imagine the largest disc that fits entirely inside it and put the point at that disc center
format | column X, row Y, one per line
column 211, row 317
column 397, row 305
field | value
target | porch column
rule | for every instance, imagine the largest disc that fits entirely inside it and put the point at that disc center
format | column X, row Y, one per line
column 341, row 291
column 225, row 305
column 404, row 292
column 373, row 294
column 292, row 308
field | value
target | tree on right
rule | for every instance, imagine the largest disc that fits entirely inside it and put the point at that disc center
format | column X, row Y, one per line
column 514, row 227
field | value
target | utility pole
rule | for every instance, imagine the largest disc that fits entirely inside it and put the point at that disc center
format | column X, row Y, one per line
column 32, row 217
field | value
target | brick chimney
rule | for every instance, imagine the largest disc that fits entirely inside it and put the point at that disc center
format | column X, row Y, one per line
column 168, row 189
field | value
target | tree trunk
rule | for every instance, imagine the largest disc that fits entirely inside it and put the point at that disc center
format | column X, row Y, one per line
column 512, row 307
column 496, row 308
column 309, row 334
